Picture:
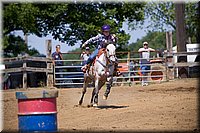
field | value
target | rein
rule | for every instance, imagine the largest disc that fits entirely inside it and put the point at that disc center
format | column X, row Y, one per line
column 102, row 64
column 110, row 62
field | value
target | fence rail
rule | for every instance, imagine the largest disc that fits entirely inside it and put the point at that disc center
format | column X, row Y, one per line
column 128, row 76
column 162, row 69
column 25, row 65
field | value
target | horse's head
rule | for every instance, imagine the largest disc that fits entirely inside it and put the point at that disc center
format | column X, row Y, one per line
column 110, row 52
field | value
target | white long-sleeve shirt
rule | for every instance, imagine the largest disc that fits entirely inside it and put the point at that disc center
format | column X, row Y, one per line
column 145, row 54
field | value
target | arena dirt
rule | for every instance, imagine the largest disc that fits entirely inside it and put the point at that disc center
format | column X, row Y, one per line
column 168, row 106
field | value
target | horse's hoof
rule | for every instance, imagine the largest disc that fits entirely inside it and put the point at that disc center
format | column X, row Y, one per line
column 95, row 105
column 90, row 105
column 76, row 105
column 80, row 103
column 104, row 97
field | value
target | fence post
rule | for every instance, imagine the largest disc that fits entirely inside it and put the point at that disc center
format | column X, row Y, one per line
column 128, row 63
column 169, row 57
column 49, row 65
column 24, row 75
column 181, row 37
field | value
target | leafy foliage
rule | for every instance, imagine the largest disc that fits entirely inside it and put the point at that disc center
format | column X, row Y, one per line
column 156, row 40
column 20, row 17
column 70, row 22
column 162, row 17
column 17, row 46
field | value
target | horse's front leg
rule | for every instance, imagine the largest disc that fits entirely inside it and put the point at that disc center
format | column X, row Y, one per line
column 85, row 84
column 96, row 92
column 108, row 87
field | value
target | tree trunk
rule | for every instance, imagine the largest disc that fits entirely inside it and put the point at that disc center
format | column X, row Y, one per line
column 181, row 36
column 198, row 23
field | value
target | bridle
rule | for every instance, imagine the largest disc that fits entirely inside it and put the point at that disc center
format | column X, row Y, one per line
column 108, row 59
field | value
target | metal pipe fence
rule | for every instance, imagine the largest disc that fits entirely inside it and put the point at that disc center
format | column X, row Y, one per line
column 71, row 75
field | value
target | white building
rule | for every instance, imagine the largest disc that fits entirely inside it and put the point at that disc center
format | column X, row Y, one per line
column 193, row 71
column 190, row 48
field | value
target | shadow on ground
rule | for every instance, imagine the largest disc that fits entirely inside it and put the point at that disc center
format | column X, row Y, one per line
column 111, row 107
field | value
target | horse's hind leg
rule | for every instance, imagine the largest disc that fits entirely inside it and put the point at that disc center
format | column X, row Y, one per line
column 83, row 93
column 85, row 84
column 92, row 98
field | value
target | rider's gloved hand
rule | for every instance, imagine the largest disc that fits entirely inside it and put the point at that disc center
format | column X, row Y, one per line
column 106, row 41
column 83, row 46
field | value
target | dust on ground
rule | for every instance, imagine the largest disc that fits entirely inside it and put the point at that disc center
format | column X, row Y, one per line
column 168, row 106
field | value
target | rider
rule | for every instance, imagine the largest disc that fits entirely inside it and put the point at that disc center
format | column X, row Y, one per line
column 101, row 40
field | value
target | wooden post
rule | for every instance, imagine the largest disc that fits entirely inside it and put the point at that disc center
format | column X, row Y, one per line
column 26, row 40
column 181, row 36
column 169, row 41
column 180, row 27
column 48, row 48
column 169, row 59
column 24, row 76
column 49, row 65
column 128, row 62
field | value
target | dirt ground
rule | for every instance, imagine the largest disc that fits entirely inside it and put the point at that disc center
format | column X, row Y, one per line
column 168, row 106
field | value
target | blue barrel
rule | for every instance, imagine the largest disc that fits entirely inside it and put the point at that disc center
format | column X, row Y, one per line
column 37, row 111
column 38, row 122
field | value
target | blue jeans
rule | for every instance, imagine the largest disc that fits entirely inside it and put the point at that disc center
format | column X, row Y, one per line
column 92, row 56
column 144, row 68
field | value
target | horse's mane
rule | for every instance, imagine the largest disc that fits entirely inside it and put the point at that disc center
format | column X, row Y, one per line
column 101, row 51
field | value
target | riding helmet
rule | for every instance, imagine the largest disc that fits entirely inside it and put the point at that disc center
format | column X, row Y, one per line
column 105, row 27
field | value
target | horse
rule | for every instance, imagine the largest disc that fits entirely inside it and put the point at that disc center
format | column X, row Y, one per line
column 99, row 73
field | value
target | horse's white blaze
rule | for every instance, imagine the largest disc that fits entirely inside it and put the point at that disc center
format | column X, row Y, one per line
column 111, row 52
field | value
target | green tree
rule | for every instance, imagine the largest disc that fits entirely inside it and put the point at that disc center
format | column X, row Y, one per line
column 162, row 17
column 71, row 22
column 19, row 17
column 156, row 40
column 15, row 45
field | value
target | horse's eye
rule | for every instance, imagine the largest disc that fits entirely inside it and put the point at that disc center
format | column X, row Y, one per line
column 108, row 50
